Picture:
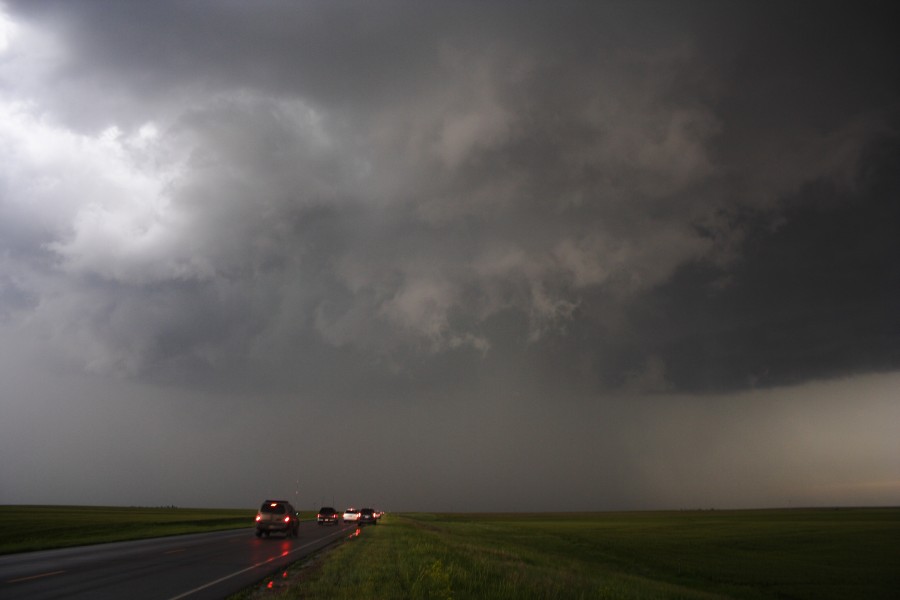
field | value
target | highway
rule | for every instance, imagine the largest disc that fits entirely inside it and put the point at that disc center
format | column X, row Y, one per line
column 195, row 567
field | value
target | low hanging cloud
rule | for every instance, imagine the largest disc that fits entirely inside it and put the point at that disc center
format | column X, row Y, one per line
column 236, row 209
column 525, row 256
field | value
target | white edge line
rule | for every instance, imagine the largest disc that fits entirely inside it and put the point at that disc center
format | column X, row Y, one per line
column 250, row 568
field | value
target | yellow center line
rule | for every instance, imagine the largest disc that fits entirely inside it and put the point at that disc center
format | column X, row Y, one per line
column 34, row 577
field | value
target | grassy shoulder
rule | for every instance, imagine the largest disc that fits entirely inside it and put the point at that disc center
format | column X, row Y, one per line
column 28, row 528
column 817, row 554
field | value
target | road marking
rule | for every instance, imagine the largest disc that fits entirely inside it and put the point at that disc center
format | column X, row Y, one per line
column 250, row 568
column 34, row 577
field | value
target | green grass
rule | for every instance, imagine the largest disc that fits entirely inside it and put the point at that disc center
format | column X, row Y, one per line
column 27, row 528
column 816, row 554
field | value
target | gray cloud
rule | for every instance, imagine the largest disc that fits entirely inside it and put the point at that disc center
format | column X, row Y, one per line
column 412, row 205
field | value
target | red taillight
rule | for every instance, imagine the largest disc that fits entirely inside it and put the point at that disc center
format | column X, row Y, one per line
column 287, row 519
column 259, row 518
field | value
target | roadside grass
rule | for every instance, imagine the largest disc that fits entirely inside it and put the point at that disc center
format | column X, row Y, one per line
column 28, row 528
column 804, row 553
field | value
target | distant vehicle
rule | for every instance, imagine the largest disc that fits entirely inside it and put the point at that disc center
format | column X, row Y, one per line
column 326, row 515
column 351, row 515
column 277, row 516
column 367, row 517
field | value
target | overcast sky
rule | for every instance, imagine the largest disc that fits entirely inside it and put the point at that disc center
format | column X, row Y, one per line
column 449, row 255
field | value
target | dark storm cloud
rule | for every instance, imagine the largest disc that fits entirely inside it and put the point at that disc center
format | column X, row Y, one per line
column 558, row 217
column 813, row 295
column 398, row 181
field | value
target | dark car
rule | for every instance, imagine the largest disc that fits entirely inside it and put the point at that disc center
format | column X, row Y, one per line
column 327, row 515
column 367, row 517
column 277, row 516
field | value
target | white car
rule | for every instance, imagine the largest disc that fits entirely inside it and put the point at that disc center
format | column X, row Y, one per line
column 351, row 515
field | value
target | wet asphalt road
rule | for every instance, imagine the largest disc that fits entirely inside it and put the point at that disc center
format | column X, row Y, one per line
column 195, row 567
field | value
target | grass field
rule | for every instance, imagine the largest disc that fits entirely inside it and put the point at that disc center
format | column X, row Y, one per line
column 26, row 528
column 816, row 554
column 800, row 554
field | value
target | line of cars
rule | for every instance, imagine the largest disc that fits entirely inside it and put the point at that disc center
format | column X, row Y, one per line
column 360, row 516
column 280, row 516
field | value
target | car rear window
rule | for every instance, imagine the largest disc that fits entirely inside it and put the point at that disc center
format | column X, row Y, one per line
column 278, row 509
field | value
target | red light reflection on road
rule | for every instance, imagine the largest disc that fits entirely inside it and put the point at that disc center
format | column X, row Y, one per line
column 270, row 585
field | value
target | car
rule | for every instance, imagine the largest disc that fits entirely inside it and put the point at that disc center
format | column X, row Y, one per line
column 277, row 516
column 351, row 515
column 328, row 515
column 367, row 517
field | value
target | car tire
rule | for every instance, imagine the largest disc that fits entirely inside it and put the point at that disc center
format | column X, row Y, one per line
column 258, row 533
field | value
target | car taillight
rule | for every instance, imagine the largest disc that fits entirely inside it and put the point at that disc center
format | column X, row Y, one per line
column 258, row 517
column 287, row 519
